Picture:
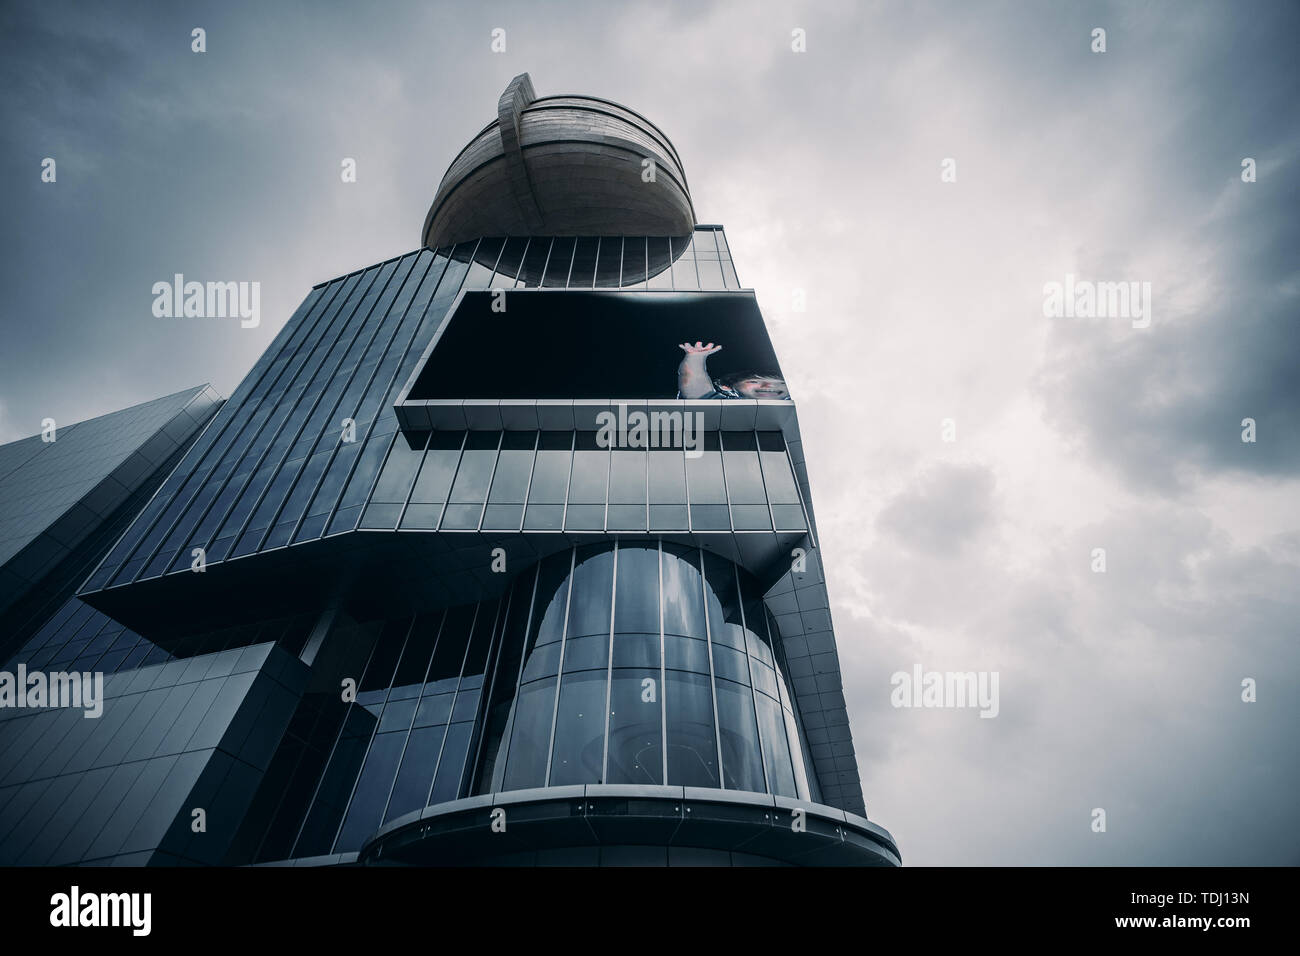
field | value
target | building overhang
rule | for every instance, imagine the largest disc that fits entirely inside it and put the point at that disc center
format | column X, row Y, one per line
column 577, row 824
column 562, row 166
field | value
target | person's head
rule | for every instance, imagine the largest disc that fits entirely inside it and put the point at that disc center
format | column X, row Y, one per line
column 755, row 384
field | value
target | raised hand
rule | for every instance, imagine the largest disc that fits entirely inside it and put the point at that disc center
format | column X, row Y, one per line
column 699, row 348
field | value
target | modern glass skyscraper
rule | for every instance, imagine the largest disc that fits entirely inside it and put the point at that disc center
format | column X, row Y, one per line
column 502, row 553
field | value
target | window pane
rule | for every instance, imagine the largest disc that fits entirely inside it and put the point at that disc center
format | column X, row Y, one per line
column 710, row 272
column 741, row 765
column 449, row 653
column 580, row 730
column 636, row 602
column 512, row 257
column 659, row 263
column 684, row 275
column 514, row 466
column 692, row 749
column 635, row 728
column 584, row 264
column 589, row 602
column 667, row 476
column 610, row 258
column 530, row 736
column 637, row 650
column 775, row 751
column 557, row 270
column 723, row 601
column 409, row 680
column 590, row 471
column 627, row 477
column 411, row 789
column 778, row 477
column 686, row 654
column 371, row 794
column 446, row 785
column 740, row 462
column 470, row 486
column 634, row 261
column 539, row 249
column 586, row 509
column 683, row 598
column 551, row 472
column 704, row 474
column 399, row 471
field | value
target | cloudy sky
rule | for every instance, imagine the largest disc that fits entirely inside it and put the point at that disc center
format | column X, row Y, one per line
column 1119, row 690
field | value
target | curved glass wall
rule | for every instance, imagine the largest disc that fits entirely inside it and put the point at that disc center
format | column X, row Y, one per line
column 646, row 663
column 642, row 664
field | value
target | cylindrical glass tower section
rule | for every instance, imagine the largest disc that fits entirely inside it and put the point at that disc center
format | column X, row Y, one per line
column 647, row 663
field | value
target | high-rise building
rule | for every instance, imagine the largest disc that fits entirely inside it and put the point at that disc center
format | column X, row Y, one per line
column 502, row 553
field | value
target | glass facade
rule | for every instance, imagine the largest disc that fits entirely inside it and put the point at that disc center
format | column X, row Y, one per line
column 296, row 452
column 67, row 502
column 651, row 630
column 119, row 790
column 354, row 609
column 563, row 481
column 605, row 663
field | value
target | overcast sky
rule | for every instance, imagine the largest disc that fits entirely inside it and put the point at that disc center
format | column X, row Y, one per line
column 1119, row 690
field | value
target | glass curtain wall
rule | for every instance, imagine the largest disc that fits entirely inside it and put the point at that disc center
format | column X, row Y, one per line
column 646, row 663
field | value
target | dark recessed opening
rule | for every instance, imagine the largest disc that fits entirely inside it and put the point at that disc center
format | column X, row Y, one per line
column 589, row 345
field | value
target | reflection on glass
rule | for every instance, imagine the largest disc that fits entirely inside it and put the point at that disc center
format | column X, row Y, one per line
column 523, row 692
column 635, row 728
column 434, row 481
column 579, row 729
column 557, row 268
column 609, row 262
column 465, row 506
column 634, row 252
column 692, row 748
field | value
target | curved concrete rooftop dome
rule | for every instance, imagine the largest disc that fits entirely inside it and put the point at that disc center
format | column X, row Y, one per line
column 560, row 166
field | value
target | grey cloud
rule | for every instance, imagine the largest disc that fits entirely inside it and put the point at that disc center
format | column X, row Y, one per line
column 1164, row 403
column 944, row 511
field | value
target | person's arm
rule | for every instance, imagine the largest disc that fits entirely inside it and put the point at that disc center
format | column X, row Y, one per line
column 692, row 375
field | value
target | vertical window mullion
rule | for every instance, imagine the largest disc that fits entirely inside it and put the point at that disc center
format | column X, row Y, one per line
column 559, row 674
column 609, row 666
column 469, row 639
column 428, row 440
column 568, row 486
column 478, row 723
column 361, row 768
column 663, row 672
column 487, row 492
column 713, row 689
column 749, row 665
column 397, row 769
column 523, row 257
column 783, row 694
column 726, row 490
column 508, row 732
column 311, row 805
column 489, row 687
column 464, row 443
column 550, row 247
column 532, row 470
